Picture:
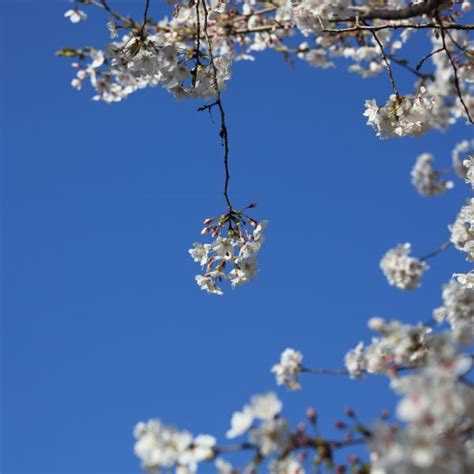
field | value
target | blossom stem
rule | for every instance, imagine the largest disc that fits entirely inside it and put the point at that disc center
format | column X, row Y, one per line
column 437, row 251
column 223, row 133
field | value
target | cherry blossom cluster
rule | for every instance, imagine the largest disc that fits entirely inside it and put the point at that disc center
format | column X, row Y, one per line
column 159, row 446
column 177, row 51
column 462, row 230
column 401, row 270
column 287, row 371
column 435, row 407
column 405, row 116
column 399, row 346
column 458, row 310
column 426, row 179
column 232, row 256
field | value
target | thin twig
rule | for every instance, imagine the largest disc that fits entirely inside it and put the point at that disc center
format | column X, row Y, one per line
column 415, row 71
column 387, row 64
column 145, row 18
column 224, row 134
column 424, row 58
column 319, row 371
column 457, row 84
column 436, row 251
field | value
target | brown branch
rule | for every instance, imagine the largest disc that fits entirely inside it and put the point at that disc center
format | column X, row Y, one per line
column 355, row 29
column 410, row 11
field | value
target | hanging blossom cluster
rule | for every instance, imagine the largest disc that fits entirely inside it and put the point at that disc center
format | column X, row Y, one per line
column 405, row 116
column 232, row 256
column 429, row 181
column 426, row 179
column 176, row 51
column 401, row 270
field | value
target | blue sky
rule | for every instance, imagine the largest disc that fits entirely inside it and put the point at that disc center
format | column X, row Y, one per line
column 103, row 324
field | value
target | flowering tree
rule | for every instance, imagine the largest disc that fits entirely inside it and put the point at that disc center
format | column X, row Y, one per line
column 190, row 53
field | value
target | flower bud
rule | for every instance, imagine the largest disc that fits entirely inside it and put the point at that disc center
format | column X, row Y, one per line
column 376, row 324
column 311, row 414
column 353, row 459
column 349, row 412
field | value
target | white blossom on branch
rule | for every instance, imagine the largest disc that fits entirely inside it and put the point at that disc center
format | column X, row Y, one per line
column 401, row 270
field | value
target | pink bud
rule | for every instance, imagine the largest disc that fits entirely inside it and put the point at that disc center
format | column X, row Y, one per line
column 349, row 412
column 353, row 459
column 302, row 426
column 311, row 414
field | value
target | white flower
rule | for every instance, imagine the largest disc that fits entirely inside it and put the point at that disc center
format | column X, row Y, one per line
column 462, row 231
column 458, row 310
column 240, row 422
column 75, row 15
column 265, row 406
column 466, row 280
column 271, row 436
column 224, row 467
column 402, row 271
column 262, row 407
column 469, row 165
column 289, row 368
column 158, row 445
column 97, row 57
column 355, row 360
column 223, row 248
column 112, row 27
column 202, row 447
column 287, row 465
column 315, row 57
column 207, row 283
column 200, row 253
column 244, row 271
column 426, row 179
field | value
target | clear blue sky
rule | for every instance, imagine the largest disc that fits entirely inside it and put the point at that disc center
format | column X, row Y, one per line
column 102, row 322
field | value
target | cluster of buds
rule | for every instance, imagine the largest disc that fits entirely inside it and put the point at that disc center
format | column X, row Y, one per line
column 233, row 253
